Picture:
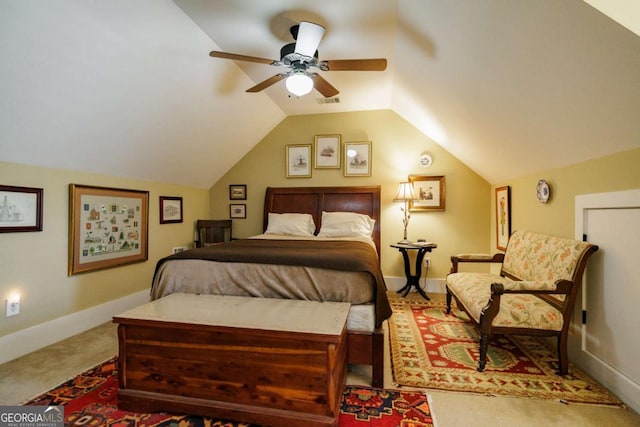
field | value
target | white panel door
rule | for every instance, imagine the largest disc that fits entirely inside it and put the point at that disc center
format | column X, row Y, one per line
column 610, row 339
column 613, row 290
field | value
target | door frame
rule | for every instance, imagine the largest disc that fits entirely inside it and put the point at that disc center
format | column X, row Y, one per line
column 611, row 378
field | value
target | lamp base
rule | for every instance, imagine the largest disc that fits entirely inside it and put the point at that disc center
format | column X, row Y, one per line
column 404, row 242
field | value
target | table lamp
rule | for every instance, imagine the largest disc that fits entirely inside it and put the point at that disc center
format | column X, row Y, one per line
column 405, row 194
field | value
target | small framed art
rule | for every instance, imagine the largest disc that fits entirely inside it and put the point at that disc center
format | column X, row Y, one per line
column 429, row 192
column 170, row 209
column 298, row 161
column 327, row 152
column 237, row 210
column 20, row 209
column 357, row 158
column 237, row 192
column 108, row 227
column 503, row 217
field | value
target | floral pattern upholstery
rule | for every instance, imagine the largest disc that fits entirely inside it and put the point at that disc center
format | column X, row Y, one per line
column 538, row 261
column 534, row 256
column 516, row 310
column 551, row 266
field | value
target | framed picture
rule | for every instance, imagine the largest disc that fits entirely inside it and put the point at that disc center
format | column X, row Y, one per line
column 237, row 210
column 298, row 161
column 170, row 209
column 429, row 192
column 108, row 227
column 357, row 158
column 20, row 209
column 238, row 192
column 327, row 152
column 503, row 217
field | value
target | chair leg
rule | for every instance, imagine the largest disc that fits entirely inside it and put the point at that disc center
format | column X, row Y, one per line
column 448, row 301
column 563, row 360
column 484, row 346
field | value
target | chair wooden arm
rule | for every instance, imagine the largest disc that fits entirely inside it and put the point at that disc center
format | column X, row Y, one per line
column 546, row 289
column 533, row 287
column 527, row 287
column 455, row 259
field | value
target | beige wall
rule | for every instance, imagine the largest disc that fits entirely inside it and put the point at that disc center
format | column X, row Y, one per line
column 35, row 263
column 396, row 145
column 611, row 173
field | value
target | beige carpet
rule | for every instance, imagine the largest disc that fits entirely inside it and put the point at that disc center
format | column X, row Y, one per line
column 38, row 372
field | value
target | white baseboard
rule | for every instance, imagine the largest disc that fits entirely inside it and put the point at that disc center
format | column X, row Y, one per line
column 435, row 286
column 622, row 386
column 36, row 337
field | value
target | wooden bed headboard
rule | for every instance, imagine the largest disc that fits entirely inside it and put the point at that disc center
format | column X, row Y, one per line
column 314, row 200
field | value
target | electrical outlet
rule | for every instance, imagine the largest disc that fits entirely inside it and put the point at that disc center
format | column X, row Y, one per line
column 13, row 307
column 427, row 262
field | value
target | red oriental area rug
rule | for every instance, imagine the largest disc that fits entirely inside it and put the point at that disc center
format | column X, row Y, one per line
column 91, row 398
column 432, row 349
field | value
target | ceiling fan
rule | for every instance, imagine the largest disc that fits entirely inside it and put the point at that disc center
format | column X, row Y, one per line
column 301, row 57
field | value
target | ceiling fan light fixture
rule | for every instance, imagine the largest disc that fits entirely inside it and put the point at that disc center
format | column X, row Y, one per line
column 302, row 56
column 299, row 84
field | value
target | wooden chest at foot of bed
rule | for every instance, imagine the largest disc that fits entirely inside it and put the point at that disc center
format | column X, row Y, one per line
column 264, row 361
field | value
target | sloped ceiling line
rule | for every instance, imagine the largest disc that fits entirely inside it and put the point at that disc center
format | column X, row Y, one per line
column 510, row 88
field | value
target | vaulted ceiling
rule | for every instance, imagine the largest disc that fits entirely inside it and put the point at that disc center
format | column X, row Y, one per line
column 128, row 89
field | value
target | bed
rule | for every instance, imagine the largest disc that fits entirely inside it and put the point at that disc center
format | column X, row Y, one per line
column 315, row 261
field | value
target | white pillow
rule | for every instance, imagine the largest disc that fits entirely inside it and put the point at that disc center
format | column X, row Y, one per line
column 346, row 224
column 294, row 224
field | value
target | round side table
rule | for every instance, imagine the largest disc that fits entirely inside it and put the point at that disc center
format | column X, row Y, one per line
column 413, row 280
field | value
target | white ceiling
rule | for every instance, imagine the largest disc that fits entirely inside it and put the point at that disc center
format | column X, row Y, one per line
column 354, row 29
column 509, row 87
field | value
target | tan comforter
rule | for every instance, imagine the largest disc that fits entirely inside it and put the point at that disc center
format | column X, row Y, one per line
column 318, row 270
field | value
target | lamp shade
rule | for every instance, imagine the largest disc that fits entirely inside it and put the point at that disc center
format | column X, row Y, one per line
column 308, row 39
column 405, row 192
column 299, row 84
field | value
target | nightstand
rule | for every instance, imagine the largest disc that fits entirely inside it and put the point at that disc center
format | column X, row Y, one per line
column 413, row 280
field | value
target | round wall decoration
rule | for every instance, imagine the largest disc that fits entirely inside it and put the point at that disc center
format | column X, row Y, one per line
column 543, row 191
column 425, row 160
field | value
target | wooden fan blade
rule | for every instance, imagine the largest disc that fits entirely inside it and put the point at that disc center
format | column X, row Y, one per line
column 373, row 64
column 323, row 86
column 236, row 57
column 265, row 84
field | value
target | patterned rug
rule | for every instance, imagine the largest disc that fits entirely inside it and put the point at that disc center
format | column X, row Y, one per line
column 430, row 349
column 90, row 399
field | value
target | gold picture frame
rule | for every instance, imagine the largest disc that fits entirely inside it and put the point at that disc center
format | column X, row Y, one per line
column 108, row 227
column 430, row 192
column 357, row 158
column 327, row 149
column 298, row 161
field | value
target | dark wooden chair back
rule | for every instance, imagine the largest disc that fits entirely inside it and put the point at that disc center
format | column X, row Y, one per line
column 213, row 231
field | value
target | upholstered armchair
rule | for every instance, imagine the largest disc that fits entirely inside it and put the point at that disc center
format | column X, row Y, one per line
column 534, row 293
